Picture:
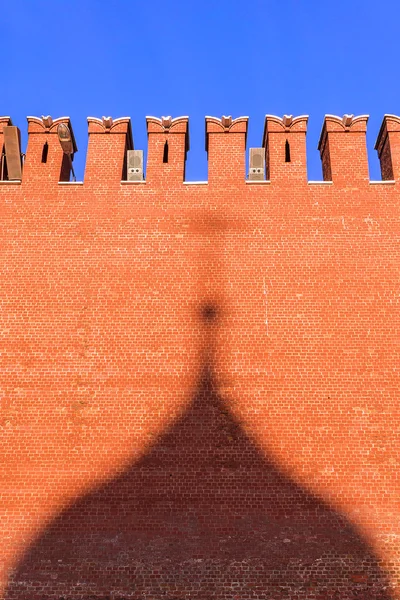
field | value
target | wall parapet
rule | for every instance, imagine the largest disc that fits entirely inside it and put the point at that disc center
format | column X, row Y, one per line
column 109, row 141
column 283, row 141
column 337, row 155
column 45, row 159
column 4, row 122
column 199, row 380
column 226, row 140
column 168, row 145
column 388, row 147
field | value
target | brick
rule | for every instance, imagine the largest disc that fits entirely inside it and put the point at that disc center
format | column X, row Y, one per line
column 199, row 383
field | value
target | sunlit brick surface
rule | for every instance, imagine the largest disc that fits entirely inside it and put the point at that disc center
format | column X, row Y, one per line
column 199, row 383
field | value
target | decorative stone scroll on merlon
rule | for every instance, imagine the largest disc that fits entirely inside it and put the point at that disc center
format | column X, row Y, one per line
column 286, row 124
column 346, row 124
column 168, row 144
column 46, row 125
column 108, row 125
column 226, row 124
column 168, row 125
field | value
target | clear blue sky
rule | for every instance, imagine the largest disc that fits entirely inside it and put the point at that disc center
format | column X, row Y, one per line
column 137, row 58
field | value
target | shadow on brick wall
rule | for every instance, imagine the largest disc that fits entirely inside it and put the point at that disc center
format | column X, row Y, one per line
column 203, row 515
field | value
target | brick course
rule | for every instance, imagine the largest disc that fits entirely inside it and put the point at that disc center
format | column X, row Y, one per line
column 199, row 382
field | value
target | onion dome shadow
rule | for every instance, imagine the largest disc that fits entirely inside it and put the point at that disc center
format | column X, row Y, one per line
column 203, row 515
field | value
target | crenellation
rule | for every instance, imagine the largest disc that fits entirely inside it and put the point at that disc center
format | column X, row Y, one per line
column 4, row 122
column 342, row 139
column 388, row 147
column 226, row 146
column 46, row 125
column 283, row 140
column 110, row 125
column 109, row 141
column 168, row 145
column 45, row 160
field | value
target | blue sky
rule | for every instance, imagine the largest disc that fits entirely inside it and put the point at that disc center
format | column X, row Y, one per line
column 128, row 58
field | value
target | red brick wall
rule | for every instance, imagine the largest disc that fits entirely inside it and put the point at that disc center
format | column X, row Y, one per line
column 199, row 383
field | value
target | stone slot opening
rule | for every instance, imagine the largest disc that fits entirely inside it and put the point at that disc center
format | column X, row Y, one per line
column 45, row 152
column 287, row 152
column 165, row 154
column 3, row 165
